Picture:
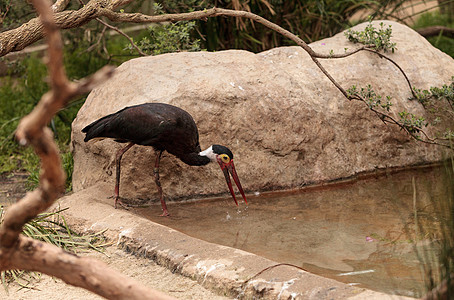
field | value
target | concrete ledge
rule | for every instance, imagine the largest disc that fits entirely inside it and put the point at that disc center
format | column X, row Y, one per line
column 219, row 268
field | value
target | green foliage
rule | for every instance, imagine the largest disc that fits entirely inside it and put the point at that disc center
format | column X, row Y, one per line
column 379, row 38
column 168, row 37
column 310, row 20
column 18, row 96
column 172, row 37
column 372, row 99
column 421, row 95
column 411, row 122
column 24, row 86
column 446, row 92
column 430, row 98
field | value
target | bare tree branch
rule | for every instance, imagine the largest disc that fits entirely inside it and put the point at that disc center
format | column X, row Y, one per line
column 19, row 252
column 397, row 66
column 60, row 5
column 435, row 31
column 84, row 272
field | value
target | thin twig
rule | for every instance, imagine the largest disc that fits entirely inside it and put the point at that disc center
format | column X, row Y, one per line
column 123, row 34
column 101, row 35
column 394, row 63
column 20, row 252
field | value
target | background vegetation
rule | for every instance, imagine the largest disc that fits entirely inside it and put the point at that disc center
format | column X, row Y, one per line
column 89, row 48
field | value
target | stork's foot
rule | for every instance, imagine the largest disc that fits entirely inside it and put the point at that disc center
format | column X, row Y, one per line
column 120, row 203
column 165, row 213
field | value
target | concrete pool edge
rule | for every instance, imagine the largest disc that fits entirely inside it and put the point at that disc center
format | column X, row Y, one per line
column 218, row 268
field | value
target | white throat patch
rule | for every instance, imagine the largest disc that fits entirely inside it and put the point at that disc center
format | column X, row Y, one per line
column 209, row 153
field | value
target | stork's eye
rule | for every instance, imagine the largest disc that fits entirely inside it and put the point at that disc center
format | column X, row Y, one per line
column 225, row 158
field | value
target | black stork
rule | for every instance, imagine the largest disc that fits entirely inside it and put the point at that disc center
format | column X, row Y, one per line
column 166, row 128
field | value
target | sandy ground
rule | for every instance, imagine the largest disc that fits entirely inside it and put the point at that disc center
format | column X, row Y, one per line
column 143, row 270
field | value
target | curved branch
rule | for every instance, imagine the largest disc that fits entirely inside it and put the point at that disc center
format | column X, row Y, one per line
column 60, row 5
column 215, row 12
column 84, row 272
column 386, row 118
column 123, row 34
column 397, row 65
column 435, row 31
column 94, row 9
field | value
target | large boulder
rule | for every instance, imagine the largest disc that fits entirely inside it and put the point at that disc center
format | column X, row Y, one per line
column 285, row 122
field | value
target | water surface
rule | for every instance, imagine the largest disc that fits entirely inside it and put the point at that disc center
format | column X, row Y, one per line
column 363, row 232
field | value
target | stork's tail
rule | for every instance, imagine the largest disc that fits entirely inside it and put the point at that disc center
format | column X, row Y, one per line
column 96, row 129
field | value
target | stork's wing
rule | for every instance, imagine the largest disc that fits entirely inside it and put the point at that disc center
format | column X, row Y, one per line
column 160, row 125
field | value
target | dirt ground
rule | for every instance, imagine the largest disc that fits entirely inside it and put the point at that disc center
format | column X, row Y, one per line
column 143, row 270
column 12, row 187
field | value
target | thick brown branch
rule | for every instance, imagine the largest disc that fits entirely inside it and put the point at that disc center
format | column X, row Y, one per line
column 51, row 186
column 32, row 31
column 55, row 50
column 436, row 30
column 32, row 130
column 60, row 5
column 19, row 252
column 83, row 272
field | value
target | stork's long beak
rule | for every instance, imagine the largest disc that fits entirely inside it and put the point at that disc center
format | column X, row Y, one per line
column 230, row 167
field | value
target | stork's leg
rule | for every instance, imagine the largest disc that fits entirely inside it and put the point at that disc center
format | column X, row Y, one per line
column 117, row 179
column 165, row 212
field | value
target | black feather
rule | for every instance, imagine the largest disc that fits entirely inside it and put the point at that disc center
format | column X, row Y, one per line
column 162, row 126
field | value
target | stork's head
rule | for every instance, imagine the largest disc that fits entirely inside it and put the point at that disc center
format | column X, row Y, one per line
column 224, row 157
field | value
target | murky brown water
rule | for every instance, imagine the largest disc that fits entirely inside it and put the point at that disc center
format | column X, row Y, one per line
column 361, row 233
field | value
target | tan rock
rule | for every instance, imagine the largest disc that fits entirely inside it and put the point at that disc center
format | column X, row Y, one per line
column 285, row 122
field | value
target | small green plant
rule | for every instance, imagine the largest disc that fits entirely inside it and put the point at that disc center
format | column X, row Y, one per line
column 408, row 121
column 445, row 92
column 167, row 38
column 431, row 98
column 421, row 95
column 411, row 122
column 379, row 38
column 372, row 99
